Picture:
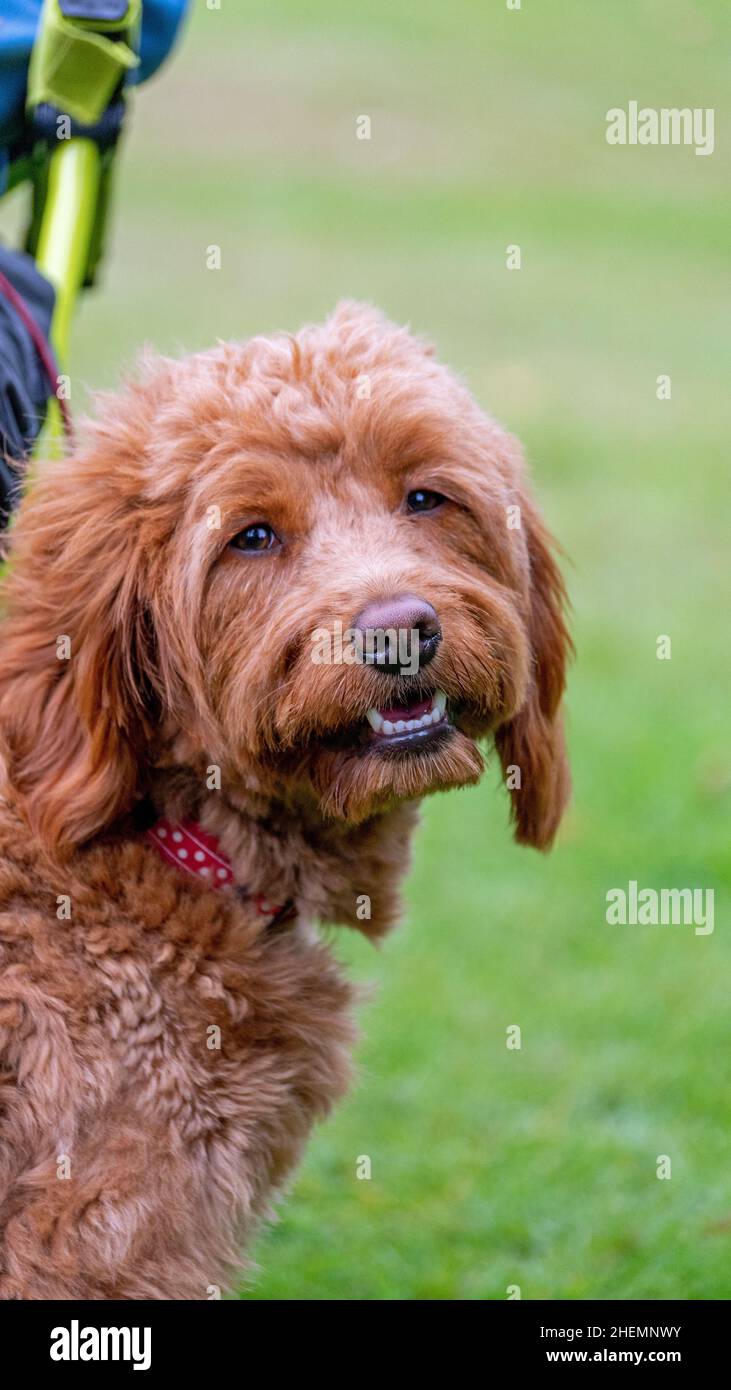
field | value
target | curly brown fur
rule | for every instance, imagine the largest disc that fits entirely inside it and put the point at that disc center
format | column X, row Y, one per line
column 188, row 656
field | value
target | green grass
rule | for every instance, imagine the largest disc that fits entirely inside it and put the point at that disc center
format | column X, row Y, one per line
column 493, row 1167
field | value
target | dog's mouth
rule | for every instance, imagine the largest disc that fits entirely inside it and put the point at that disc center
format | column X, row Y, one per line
column 397, row 751
column 408, row 727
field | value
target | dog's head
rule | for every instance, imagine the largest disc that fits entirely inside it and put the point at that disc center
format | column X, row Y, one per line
column 311, row 561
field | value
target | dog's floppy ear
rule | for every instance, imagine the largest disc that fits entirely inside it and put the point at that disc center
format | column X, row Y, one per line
column 531, row 745
column 77, row 674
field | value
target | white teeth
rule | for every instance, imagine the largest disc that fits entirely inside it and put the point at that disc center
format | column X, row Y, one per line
column 435, row 715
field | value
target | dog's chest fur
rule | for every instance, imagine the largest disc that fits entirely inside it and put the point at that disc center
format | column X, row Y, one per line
column 162, row 1060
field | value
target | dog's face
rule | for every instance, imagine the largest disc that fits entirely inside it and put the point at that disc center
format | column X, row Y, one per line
column 310, row 561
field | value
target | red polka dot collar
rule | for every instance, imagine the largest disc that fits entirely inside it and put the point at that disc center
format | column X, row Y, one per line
column 192, row 849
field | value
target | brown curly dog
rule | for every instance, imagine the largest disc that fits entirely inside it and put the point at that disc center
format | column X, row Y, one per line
column 174, row 723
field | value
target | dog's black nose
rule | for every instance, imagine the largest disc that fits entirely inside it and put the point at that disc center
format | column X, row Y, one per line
column 400, row 634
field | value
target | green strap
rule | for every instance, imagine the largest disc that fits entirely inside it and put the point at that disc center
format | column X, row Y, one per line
column 77, row 68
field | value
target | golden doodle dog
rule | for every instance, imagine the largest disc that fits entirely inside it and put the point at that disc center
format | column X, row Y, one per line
column 189, row 785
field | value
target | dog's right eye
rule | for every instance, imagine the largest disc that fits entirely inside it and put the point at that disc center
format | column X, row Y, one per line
column 260, row 536
column 423, row 500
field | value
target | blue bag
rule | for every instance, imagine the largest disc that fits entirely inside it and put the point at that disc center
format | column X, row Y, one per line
column 18, row 24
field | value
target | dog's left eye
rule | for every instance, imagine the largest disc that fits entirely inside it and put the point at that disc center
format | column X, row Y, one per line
column 260, row 536
column 421, row 500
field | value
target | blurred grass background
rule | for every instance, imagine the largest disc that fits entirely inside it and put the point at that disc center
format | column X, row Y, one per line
column 493, row 1167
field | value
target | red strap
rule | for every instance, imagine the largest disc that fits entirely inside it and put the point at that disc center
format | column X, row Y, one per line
column 191, row 848
column 41, row 346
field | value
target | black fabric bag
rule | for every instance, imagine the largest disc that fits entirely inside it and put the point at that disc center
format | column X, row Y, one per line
column 24, row 384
